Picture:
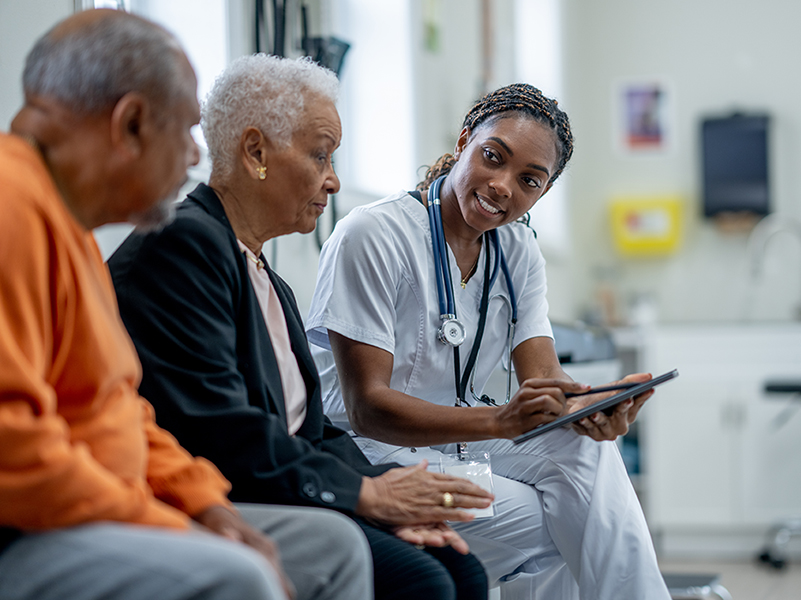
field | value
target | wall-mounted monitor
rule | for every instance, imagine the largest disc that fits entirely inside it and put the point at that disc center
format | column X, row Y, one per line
column 735, row 164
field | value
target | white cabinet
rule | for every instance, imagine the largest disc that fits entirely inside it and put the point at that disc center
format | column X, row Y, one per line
column 720, row 454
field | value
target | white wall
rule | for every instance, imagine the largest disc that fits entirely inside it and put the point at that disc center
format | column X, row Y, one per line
column 716, row 55
column 407, row 111
column 21, row 23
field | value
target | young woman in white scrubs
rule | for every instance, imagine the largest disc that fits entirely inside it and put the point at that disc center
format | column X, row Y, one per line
column 567, row 523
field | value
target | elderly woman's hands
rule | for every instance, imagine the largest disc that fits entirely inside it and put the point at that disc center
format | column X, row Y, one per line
column 415, row 497
column 437, row 535
column 600, row 426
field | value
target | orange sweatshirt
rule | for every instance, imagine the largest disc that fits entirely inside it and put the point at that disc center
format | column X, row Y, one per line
column 77, row 442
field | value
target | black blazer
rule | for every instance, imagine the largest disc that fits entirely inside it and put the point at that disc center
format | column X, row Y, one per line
column 209, row 367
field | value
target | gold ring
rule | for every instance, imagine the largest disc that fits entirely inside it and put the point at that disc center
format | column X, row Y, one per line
column 447, row 500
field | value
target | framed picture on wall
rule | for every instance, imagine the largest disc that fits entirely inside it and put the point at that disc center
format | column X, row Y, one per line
column 643, row 116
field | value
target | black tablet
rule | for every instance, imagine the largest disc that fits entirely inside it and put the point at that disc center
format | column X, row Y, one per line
column 636, row 390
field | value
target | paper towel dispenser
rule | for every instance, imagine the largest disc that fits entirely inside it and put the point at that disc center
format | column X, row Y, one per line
column 735, row 164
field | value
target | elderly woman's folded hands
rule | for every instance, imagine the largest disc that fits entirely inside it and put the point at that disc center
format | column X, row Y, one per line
column 419, row 502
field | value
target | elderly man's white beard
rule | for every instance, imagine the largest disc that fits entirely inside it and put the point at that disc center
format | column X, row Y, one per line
column 156, row 217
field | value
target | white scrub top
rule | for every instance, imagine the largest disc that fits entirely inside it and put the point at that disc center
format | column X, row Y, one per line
column 376, row 285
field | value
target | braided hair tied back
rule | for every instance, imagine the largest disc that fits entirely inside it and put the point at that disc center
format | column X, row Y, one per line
column 520, row 98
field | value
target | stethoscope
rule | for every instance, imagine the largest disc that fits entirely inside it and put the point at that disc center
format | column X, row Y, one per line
column 451, row 332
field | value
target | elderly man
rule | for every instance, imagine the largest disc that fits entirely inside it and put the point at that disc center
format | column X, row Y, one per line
column 95, row 500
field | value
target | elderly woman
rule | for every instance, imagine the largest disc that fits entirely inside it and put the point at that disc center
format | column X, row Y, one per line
column 225, row 357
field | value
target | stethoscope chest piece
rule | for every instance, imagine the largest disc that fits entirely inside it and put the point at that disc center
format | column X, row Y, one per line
column 451, row 332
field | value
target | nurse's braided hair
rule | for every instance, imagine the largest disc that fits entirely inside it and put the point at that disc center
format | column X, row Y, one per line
column 521, row 98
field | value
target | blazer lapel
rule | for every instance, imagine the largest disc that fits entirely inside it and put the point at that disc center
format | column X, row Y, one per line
column 265, row 370
column 267, row 367
column 262, row 370
column 297, row 335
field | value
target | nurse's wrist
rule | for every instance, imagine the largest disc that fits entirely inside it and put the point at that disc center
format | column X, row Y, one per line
column 495, row 425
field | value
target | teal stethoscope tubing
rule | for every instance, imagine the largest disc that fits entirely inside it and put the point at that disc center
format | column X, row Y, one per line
column 443, row 269
column 447, row 307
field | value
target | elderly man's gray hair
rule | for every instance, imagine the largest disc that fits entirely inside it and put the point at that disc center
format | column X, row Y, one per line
column 260, row 91
column 88, row 69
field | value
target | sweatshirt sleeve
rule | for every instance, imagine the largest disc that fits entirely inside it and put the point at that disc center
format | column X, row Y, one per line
column 176, row 477
column 46, row 482
column 47, row 478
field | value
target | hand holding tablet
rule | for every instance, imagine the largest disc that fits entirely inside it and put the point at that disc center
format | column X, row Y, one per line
column 628, row 390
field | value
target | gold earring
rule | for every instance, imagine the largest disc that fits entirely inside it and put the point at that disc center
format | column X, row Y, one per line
column 262, row 172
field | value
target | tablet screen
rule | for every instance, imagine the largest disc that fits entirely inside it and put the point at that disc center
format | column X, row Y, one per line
column 597, row 406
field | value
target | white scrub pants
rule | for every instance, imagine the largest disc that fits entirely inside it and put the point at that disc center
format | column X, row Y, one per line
column 567, row 522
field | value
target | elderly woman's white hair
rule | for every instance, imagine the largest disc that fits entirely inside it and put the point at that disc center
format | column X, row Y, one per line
column 260, row 91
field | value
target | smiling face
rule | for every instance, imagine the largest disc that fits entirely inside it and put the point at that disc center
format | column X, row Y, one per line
column 503, row 167
column 301, row 176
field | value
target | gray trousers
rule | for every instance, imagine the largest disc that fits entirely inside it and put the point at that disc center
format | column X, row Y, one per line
column 325, row 555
